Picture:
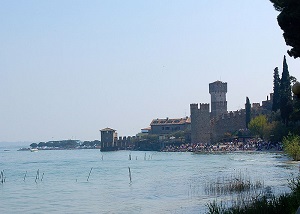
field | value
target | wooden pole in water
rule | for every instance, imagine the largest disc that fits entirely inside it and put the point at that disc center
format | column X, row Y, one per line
column 2, row 177
column 89, row 174
column 25, row 176
column 129, row 174
column 37, row 175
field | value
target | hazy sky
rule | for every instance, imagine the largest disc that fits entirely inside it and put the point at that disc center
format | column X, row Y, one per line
column 70, row 68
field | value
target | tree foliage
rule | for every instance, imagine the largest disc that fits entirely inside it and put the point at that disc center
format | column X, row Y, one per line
column 258, row 125
column 276, row 90
column 291, row 145
column 286, row 106
column 295, row 116
column 275, row 131
column 289, row 22
column 33, row 145
column 67, row 144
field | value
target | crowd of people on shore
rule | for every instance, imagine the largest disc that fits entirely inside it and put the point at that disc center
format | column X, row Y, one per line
column 250, row 145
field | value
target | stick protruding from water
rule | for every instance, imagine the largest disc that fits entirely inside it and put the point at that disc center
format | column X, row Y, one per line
column 89, row 174
column 25, row 176
column 129, row 175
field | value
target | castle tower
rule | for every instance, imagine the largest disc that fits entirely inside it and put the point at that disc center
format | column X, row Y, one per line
column 108, row 136
column 218, row 92
column 200, row 123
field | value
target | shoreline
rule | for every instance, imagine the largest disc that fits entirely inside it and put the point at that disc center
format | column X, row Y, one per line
column 171, row 151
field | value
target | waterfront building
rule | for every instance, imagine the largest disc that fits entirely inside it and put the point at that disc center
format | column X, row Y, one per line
column 144, row 132
column 167, row 126
column 108, row 139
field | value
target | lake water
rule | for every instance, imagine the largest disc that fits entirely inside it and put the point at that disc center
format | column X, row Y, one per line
column 88, row 181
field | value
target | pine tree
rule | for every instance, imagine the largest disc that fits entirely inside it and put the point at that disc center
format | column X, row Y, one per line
column 286, row 106
column 276, row 91
column 248, row 112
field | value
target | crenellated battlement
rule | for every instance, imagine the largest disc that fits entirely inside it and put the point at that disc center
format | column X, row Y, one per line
column 204, row 107
column 217, row 87
column 230, row 115
column 194, row 106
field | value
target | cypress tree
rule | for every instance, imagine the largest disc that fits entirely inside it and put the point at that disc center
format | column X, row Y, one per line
column 286, row 106
column 276, row 90
column 248, row 112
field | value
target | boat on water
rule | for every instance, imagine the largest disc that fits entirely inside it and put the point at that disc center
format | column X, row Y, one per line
column 34, row 150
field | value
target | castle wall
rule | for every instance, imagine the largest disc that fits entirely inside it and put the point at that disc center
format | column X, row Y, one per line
column 229, row 122
column 200, row 123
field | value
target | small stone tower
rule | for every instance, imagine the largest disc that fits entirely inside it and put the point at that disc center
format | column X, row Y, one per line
column 200, row 123
column 108, row 137
column 218, row 92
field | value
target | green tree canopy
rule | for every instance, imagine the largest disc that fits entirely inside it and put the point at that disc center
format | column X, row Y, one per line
column 258, row 124
column 41, row 144
column 33, row 145
column 295, row 116
column 289, row 22
column 275, row 131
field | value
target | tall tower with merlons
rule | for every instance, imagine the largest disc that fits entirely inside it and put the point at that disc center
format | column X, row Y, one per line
column 218, row 92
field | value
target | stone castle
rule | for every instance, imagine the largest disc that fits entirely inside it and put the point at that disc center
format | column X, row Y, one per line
column 207, row 127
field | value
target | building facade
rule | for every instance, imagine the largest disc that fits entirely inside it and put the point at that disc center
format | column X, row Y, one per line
column 108, row 139
column 168, row 126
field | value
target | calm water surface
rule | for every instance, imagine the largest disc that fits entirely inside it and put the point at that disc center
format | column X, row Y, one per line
column 163, row 183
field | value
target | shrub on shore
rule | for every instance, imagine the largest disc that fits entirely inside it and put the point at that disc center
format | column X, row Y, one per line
column 291, row 145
